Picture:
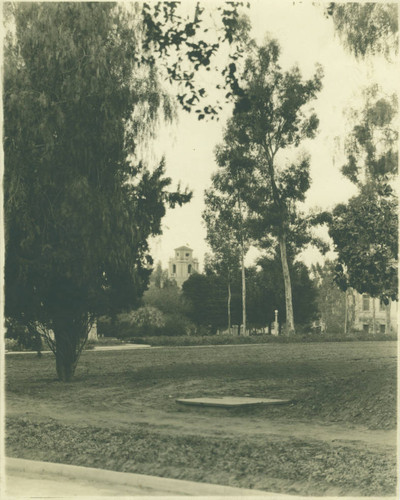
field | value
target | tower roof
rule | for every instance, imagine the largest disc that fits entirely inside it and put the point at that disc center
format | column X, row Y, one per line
column 183, row 248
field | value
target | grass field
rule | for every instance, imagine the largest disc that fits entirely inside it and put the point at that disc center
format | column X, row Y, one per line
column 337, row 437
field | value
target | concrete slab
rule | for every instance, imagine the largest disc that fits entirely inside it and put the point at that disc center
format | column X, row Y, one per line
column 231, row 401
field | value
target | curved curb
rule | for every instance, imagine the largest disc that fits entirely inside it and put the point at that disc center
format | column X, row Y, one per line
column 150, row 484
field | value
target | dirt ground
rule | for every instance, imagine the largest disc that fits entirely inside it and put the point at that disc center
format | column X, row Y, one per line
column 336, row 437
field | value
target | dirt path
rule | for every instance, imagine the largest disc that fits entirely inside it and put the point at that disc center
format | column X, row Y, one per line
column 207, row 423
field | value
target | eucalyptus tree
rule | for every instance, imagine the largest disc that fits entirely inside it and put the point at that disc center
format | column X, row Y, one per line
column 225, row 235
column 371, row 146
column 272, row 115
column 81, row 89
column 366, row 28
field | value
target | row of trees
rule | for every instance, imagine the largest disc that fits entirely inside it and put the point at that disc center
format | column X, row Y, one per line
column 255, row 195
column 201, row 308
column 207, row 295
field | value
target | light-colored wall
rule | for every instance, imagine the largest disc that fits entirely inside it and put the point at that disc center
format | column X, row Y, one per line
column 93, row 332
column 182, row 260
column 365, row 317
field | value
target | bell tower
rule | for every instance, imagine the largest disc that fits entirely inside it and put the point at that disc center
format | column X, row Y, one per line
column 182, row 265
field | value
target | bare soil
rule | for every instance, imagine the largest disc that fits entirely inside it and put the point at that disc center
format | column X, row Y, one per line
column 337, row 437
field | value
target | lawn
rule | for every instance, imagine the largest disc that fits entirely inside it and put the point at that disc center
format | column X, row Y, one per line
column 337, row 437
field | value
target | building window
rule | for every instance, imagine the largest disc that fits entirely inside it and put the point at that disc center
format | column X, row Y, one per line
column 365, row 302
column 365, row 328
column 173, row 268
column 382, row 306
column 382, row 329
column 187, row 255
column 189, row 268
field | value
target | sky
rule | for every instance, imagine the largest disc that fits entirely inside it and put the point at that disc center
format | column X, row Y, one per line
column 306, row 37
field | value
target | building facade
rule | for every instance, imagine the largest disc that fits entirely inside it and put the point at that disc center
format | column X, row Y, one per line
column 372, row 311
column 182, row 265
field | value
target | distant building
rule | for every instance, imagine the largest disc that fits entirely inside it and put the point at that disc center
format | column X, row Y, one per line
column 92, row 335
column 182, row 265
column 368, row 308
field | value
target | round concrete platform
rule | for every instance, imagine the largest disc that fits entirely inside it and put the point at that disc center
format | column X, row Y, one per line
column 231, row 401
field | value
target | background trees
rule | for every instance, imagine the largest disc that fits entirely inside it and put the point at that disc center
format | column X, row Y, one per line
column 366, row 28
column 267, row 293
column 365, row 230
column 168, row 299
column 271, row 115
column 371, row 147
column 331, row 300
column 227, row 232
column 205, row 294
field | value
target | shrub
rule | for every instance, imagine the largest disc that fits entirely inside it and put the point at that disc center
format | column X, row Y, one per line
column 11, row 345
column 104, row 326
column 177, row 325
column 90, row 345
column 146, row 320
column 109, row 341
column 19, row 332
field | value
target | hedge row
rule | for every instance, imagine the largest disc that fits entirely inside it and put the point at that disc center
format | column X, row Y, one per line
column 254, row 339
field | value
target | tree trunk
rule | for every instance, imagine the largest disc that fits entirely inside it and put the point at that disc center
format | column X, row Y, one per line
column 373, row 317
column 288, row 286
column 350, row 310
column 69, row 336
column 229, row 308
column 65, row 356
column 36, row 339
column 388, row 326
column 243, row 291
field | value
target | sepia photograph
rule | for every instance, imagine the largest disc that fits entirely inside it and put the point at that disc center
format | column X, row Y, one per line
column 199, row 249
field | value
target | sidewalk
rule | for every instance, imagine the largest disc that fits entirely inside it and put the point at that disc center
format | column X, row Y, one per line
column 96, row 348
column 28, row 478
column 33, row 479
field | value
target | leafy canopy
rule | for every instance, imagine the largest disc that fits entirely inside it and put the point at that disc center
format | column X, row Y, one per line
column 365, row 235
column 76, row 225
column 372, row 145
column 271, row 115
column 367, row 28
column 365, row 230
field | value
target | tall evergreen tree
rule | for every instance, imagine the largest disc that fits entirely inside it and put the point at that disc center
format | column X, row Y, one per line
column 225, row 218
column 271, row 115
column 81, row 90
